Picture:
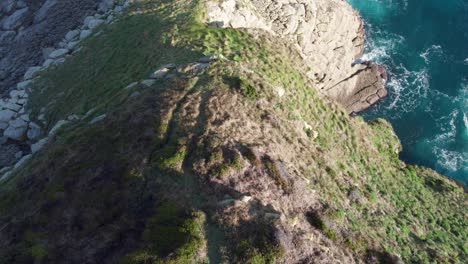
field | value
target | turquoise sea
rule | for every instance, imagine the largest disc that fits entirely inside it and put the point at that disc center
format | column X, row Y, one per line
column 424, row 46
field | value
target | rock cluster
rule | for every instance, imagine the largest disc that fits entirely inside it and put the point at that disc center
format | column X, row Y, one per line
column 29, row 28
column 328, row 33
column 16, row 127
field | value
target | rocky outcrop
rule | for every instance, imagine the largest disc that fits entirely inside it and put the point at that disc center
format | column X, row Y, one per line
column 17, row 131
column 328, row 33
column 28, row 27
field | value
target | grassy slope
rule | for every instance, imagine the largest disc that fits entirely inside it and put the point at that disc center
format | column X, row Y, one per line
column 409, row 211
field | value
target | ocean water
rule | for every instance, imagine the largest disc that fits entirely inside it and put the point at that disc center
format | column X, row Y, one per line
column 424, row 46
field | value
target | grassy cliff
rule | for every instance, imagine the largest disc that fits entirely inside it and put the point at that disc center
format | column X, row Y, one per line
column 241, row 163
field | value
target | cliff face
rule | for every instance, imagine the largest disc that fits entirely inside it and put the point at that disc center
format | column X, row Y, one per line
column 168, row 140
column 329, row 35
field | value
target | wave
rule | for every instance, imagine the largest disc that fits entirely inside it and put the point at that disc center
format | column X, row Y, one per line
column 432, row 50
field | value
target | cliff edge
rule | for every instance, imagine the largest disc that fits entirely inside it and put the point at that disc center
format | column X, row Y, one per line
column 329, row 35
column 164, row 139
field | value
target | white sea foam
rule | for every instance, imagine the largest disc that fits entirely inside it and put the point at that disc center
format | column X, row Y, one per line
column 434, row 49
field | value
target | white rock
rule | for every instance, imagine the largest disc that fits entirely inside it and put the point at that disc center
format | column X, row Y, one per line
column 58, row 53
column 25, row 117
column 85, row 33
column 39, row 145
column 6, row 115
column 130, row 86
column 6, row 175
column 57, row 126
column 31, row 71
column 97, row 119
column 246, row 198
column 72, row 35
column 87, row 20
column 41, row 117
column 34, row 131
column 22, row 101
column 159, row 74
column 72, row 45
column 95, row 23
column 148, row 82
column 47, row 63
column 73, row 118
column 17, row 93
column 5, row 169
column 23, row 85
column 18, row 123
column 59, row 61
column 15, row 133
column 13, row 106
column 22, row 161
column 281, row 92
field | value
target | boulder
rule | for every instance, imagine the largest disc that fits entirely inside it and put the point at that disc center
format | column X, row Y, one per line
column 39, row 145
column 72, row 35
column 132, row 85
column 17, row 93
column 23, row 85
column 15, row 20
column 85, row 33
column 148, row 82
column 6, row 115
column 25, row 117
column 211, row 57
column 159, row 74
column 97, row 119
column 23, row 161
column 72, row 45
column 95, row 23
column 58, row 53
column 15, row 133
column 12, row 106
column 18, row 123
column 57, row 126
column 31, row 71
column 87, row 20
column 34, row 131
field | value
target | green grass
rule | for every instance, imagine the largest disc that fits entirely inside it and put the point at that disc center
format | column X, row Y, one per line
column 170, row 230
column 406, row 210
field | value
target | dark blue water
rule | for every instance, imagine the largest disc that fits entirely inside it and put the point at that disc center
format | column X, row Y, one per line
column 424, row 46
